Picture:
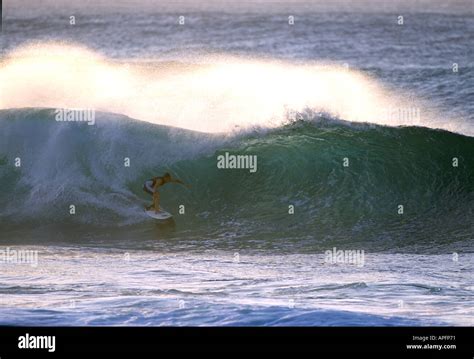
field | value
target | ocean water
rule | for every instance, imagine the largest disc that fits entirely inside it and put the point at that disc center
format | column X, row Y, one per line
column 363, row 125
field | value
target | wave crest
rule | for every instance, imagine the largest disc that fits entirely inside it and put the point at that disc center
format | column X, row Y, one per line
column 213, row 94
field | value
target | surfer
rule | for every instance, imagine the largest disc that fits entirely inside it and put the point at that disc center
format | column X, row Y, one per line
column 151, row 187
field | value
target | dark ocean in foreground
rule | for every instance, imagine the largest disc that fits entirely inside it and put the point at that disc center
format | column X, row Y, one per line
column 362, row 126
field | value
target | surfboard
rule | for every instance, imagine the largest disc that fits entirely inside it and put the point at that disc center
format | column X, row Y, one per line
column 161, row 215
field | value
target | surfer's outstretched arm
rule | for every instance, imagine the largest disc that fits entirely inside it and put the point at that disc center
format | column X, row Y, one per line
column 175, row 180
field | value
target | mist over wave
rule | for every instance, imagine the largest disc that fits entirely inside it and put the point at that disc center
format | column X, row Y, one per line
column 218, row 93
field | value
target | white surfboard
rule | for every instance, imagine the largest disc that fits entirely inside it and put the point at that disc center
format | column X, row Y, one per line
column 161, row 214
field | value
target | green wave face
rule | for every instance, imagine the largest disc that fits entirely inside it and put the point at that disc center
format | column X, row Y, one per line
column 346, row 183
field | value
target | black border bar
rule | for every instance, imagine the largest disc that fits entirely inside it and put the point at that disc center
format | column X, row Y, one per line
column 370, row 340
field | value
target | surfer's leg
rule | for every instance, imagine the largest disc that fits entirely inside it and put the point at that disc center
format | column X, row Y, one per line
column 149, row 192
column 151, row 205
column 156, row 201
